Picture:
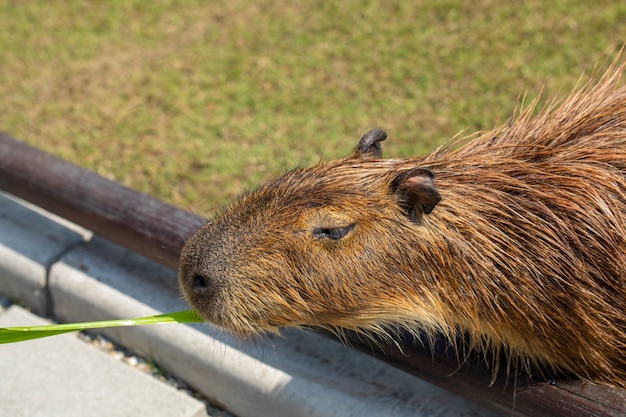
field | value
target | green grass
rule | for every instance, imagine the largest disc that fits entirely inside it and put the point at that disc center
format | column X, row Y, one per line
column 196, row 102
column 24, row 333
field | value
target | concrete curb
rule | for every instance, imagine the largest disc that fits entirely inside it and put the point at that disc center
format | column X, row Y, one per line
column 50, row 267
column 31, row 240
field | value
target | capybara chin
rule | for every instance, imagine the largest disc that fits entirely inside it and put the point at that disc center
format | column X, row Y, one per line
column 515, row 240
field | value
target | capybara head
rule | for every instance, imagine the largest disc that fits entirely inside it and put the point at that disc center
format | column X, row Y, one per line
column 317, row 246
column 515, row 239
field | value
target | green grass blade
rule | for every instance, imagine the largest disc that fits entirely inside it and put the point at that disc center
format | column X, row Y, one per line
column 22, row 333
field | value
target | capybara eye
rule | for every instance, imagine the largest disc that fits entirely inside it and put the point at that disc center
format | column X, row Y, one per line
column 334, row 233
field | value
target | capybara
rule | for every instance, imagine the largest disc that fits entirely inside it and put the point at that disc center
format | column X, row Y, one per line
column 514, row 240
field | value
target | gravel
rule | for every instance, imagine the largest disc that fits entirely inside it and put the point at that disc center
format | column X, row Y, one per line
column 151, row 368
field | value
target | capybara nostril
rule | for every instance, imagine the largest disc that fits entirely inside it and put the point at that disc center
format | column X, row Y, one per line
column 203, row 285
column 199, row 282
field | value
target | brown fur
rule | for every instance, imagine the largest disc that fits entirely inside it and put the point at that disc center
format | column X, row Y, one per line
column 525, row 253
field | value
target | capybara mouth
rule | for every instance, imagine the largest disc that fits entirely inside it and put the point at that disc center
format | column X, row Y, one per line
column 218, row 305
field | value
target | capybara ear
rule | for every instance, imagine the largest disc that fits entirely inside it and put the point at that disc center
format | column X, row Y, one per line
column 417, row 191
column 369, row 144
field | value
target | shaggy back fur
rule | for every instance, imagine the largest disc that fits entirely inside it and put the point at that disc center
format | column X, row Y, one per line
column 515, row 239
